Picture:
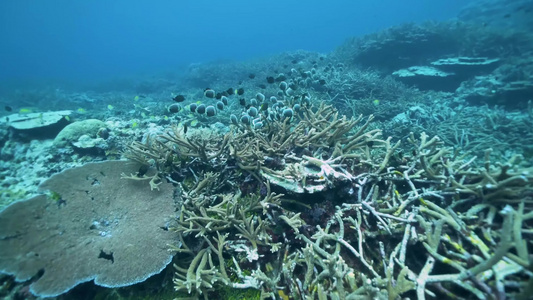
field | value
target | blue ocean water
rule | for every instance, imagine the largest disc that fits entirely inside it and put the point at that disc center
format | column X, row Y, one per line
column 97, row 39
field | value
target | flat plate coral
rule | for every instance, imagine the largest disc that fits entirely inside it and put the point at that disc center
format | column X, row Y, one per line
column 96, row 226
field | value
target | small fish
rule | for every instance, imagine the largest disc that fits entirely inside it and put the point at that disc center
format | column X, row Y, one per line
column 174, row 108
column 230, row 91
column 8, row 108
column 25, row 111
column 251, row 76
column 110, row 107
column 264, row 106
column 200, row 109
column 262, row 86
column 224, row 100
column 179, row 98
column 209, row 93
column 506, row 16
column 282, row 295
column 143, row 169
column 136, row 98
column 240, row 91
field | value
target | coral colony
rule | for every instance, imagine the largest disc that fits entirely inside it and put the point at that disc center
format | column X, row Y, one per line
column 310, row 179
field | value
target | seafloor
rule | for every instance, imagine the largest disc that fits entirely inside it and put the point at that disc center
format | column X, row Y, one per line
column 397, row 166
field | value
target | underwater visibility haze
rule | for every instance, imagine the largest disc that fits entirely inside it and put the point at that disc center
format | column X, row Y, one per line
column 266, row 149
column 66, row 39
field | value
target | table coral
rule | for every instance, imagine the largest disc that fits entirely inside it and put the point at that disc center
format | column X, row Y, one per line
column 97, row 227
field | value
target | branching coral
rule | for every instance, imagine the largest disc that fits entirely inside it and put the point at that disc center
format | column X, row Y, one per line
column 468, row 219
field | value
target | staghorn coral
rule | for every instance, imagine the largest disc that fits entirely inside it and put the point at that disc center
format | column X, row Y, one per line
column 310, row 151
column 421, row 221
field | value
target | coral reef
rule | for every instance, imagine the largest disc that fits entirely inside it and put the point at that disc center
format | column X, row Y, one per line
column 300, row 176
column 387, row 208
column 446, row 56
